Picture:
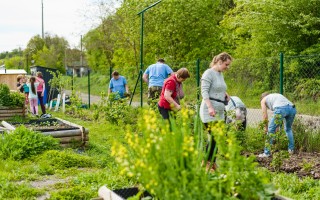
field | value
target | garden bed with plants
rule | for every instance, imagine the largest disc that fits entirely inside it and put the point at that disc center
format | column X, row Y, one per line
column 67, row 132
column 303, row 164
column 45, row 125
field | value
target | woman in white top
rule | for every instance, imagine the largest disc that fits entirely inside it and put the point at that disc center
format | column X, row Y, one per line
column 33, row 96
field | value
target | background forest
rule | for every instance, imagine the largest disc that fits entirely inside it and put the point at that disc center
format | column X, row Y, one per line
column 182, row 31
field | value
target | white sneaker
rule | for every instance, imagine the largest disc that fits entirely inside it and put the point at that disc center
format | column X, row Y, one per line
column 291, row 151
column 263, row 155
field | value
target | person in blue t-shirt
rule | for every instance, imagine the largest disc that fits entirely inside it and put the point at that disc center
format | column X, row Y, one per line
column 155, row 75
column 118, row 84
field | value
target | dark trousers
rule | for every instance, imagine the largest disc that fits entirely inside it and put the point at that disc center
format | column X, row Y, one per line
column 164, row 112
column 213, row 145
column 43, row 108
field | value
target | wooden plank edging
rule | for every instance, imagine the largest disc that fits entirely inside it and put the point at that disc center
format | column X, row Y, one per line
column 8, row 126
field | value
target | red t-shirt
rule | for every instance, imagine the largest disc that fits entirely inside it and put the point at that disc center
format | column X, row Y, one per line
column 169, row 84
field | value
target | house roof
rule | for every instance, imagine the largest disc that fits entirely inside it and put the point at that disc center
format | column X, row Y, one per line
column 13, row 71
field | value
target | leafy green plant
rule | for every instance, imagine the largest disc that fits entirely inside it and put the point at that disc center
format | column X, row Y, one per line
column 276, row 143
column 295, row 187
column 23, row 143
column 118, row 111
column 10, row 99
column 166, row 159
column 308, row 88
column 59, row 81
column 67, row 159
column 307, row 166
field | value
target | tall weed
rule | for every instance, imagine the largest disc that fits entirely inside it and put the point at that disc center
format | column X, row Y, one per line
column 305, row 138
column 166, row 159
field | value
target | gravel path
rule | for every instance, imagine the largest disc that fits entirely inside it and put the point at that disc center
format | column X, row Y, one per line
column 254, row 116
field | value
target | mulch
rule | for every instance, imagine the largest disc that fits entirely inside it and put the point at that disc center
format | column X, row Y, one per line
column 303, row 164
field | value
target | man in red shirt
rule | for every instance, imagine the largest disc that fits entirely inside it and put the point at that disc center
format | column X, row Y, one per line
column 172, row 92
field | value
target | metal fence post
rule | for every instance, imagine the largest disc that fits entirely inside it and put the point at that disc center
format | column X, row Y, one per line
column 89, row 88
column 281, row 73
column 198, row 77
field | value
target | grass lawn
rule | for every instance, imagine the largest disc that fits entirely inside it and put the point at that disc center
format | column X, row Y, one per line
column 77, row 174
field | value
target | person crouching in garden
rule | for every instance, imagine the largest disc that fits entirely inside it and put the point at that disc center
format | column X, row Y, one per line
column 282, row 107
column 172, row 92
column 236, row 112
column 118, row 85
column 33, row 96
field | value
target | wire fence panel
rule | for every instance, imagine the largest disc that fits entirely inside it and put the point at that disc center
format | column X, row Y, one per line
column 248, row 78
column 302, row 77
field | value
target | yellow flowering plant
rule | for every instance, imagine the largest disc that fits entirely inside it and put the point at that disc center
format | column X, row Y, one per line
column 165, row 158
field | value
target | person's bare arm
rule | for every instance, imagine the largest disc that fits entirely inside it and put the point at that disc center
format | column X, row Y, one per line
column 127, row 88
column 145, row 78
column 43, row 89
column 264, row 113
column 167, row 96
column 227, row 97
column 211, row 110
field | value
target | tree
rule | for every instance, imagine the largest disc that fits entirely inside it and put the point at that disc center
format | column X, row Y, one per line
column 48, row 52
column 262, row 28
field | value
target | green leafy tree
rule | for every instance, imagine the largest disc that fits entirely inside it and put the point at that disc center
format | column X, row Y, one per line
column 263, row 28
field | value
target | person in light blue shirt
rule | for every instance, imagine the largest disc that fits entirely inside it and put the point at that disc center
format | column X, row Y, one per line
column 155, row 75
column 118, row 84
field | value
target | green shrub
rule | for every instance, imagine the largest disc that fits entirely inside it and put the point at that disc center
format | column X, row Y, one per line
column 308, row 88
column 10, row 99
column 66, row 159
column 4, row 94
column 23, row 143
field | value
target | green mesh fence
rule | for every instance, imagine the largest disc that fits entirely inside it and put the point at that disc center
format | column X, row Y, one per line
column 247, row 78
column 302, row 77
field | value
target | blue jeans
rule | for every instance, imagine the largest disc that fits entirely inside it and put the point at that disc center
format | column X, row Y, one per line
column 287, row 113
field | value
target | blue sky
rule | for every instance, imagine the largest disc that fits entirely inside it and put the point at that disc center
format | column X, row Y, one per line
column 20, row 20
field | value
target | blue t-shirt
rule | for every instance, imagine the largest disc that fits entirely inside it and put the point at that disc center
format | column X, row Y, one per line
column 25, row 88
column 157, row 73
column 118, row 85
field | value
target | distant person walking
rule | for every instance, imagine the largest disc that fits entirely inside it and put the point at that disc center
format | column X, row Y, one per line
column 214, row 98
column 40, row 91
column 33, row 96
column 280, row 106
column 172, row 93
column 155, row 75
column 118, row 84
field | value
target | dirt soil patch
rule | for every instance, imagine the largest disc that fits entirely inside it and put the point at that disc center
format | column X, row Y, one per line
column 45, row 125
column 302, row 164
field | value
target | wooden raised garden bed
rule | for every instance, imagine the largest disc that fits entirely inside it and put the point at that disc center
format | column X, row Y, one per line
column 7, row 113
column 67, row 132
